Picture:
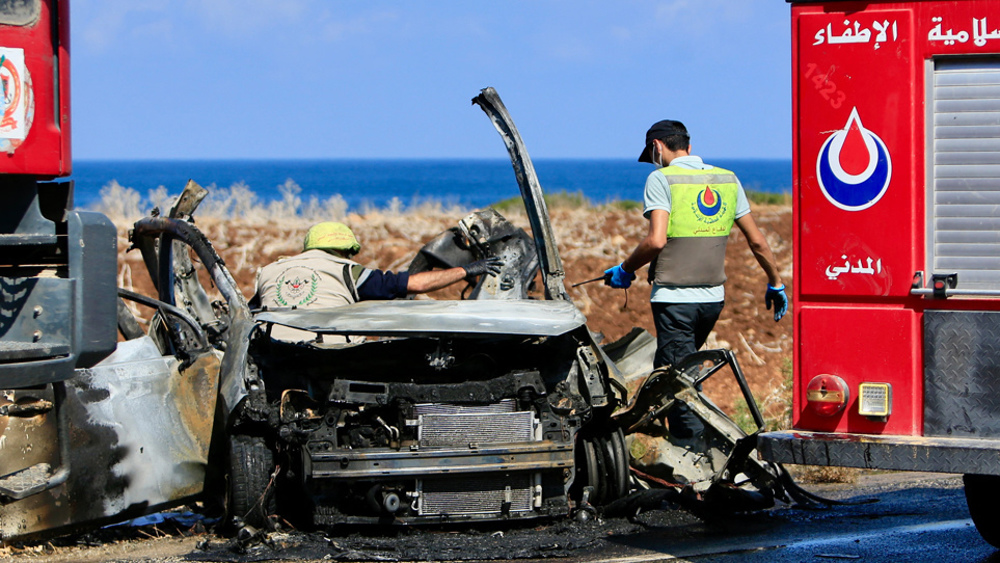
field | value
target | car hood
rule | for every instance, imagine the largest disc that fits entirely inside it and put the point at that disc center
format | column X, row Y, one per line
column 435, row 318
column 550, row 262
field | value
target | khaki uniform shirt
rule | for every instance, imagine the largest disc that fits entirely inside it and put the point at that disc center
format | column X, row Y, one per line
column 314, row 279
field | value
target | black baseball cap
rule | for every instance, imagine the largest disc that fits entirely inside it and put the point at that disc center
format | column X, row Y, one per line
column 661, row 130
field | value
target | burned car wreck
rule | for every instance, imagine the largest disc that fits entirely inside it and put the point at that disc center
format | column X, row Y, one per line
column 495, row 407
column 449, row 416
column 437, row 411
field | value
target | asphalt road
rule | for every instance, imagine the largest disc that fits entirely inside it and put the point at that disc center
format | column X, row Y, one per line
column 917, row 517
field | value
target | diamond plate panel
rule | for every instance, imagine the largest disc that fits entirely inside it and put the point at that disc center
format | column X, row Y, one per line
column 962, row 374
column 905, row 453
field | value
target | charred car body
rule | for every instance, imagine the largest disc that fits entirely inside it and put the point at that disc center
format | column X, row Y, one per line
column 450, row 410
column 448, row 417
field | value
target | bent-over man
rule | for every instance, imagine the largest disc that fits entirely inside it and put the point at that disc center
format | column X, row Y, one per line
column 324, row 275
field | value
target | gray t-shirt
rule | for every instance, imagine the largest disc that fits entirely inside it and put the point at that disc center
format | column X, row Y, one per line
column 657, row 196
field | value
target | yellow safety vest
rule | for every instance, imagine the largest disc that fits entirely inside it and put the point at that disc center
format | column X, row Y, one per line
column 702, row 213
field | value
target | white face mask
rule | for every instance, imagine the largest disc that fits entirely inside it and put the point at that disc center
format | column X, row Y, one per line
column 656, row 157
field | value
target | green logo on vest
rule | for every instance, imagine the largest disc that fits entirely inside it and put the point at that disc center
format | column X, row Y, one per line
column 297, row 287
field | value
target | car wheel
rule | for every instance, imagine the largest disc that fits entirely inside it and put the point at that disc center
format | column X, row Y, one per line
column 982, row 494
column 251, row 493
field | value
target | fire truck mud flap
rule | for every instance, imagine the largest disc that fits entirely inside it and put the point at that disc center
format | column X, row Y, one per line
column 116, row 441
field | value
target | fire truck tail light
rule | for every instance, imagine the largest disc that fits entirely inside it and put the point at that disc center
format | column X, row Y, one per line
column 875, row 399
column 827, row 395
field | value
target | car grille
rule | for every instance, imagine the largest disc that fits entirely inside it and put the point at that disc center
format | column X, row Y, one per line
column 486, row 494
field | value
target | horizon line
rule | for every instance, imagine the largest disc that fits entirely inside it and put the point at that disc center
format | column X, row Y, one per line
column 401, row 158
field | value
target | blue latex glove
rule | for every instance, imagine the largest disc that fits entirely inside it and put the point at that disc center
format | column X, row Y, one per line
column 776, row 296
column 618, row 278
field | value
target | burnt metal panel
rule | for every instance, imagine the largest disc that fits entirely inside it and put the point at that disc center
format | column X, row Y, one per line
column 551, row 264
column 962, row 374
column 127, row 437
column 434, row 318
column 905, row 453
column 235, row 375
column 376, row 463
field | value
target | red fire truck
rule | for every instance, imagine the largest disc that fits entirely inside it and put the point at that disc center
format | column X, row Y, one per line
column 896, row 168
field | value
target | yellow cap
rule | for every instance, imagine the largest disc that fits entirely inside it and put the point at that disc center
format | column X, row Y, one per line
column 331, row 236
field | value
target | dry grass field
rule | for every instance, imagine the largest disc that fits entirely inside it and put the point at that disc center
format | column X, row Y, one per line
column 248, row 234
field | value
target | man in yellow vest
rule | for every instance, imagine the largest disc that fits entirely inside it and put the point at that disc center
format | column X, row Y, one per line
column 324, row 275
column 691, row 207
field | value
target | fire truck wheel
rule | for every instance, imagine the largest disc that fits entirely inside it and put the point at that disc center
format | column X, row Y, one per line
column 251, row 493
column 982, row 494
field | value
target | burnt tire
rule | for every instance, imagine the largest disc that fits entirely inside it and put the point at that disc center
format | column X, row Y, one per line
column 982, row 494
column 603, row 464
column 251, row 493
column 617, row 440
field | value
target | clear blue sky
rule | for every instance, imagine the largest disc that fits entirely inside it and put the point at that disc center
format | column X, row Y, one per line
column 180, row 79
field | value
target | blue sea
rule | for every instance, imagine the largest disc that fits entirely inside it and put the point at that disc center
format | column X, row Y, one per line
column 466, row 183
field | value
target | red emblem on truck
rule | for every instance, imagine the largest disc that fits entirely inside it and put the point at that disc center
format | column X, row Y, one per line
column 853, row 167
column 16, row 103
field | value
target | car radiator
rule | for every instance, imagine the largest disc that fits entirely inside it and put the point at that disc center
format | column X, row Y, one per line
column 465, row 426
column 476, row 494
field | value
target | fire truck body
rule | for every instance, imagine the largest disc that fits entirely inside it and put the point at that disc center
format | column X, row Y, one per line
column 896, row 186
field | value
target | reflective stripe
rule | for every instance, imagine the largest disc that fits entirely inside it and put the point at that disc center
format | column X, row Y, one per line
column 674, row 178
